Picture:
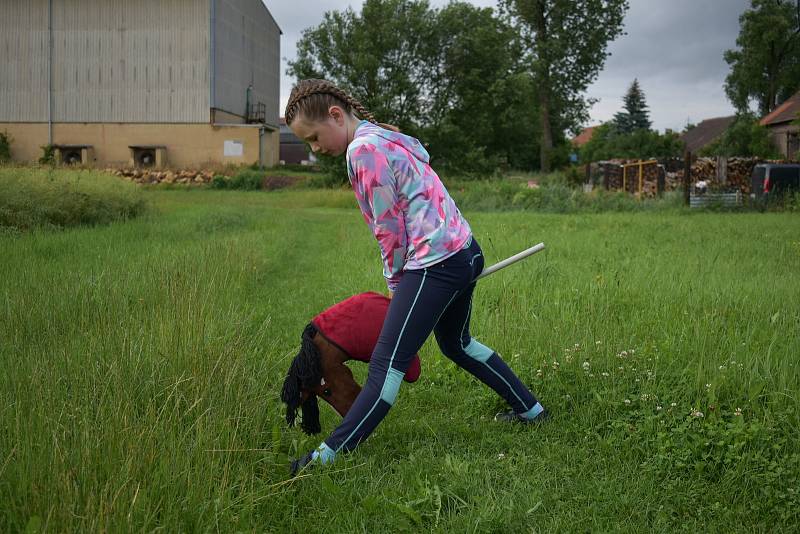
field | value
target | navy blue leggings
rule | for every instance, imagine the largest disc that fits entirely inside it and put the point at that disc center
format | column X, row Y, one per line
column 438, row 299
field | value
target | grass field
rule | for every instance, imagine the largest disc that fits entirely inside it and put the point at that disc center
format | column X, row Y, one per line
column 142, row 363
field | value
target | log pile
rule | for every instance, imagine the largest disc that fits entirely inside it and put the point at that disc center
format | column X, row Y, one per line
column 738, row 174
column 146, row 176
column 614, row 175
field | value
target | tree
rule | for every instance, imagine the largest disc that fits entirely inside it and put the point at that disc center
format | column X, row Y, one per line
column 566, row 45
column 635, row 116
column 377, row 55
column 608, row 143
column 453, row 77
column 766, row 65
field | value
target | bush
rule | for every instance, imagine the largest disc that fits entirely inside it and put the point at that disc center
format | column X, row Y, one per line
column 552, row 194
column 43, row 198
column 48, row 155
column 5, row 147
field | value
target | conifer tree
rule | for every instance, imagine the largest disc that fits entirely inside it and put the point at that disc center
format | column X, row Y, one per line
column 635, row 116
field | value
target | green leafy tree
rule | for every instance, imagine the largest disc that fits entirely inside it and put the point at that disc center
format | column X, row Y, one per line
column 608, row 143
column 566, row 46
column 378, row 55
column 635, row 115
column 480, row 115
column 745, row 137
column 452, row 77
column 766, row 65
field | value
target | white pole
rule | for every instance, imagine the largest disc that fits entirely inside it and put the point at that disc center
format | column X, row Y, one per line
column 513, row 259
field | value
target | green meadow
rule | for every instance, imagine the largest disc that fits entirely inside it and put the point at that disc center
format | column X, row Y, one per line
column 142, row 356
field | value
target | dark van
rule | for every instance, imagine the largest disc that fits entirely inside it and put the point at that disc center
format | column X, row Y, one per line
column 774, row 179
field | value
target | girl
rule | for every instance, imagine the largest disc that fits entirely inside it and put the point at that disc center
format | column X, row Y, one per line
column 430, row 260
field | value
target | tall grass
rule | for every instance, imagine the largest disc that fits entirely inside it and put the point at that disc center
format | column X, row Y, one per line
column 142, row 364
column 32, row 197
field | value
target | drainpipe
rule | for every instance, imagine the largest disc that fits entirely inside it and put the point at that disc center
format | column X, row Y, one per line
column 261, row 131
column 50, row 73
column 213, row 60
column 247, row 103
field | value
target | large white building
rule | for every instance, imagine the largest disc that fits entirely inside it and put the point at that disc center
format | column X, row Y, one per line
column 175, row 82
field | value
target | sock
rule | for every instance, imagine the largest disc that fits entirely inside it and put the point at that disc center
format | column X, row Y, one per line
column 324, row 453
column 533, row 412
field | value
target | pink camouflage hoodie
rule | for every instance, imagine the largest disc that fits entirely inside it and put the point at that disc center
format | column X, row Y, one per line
column 404, row 202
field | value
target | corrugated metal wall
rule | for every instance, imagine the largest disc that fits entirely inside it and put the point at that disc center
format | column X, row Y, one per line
column 247, row 50
column 23, row 60
column 113, row 60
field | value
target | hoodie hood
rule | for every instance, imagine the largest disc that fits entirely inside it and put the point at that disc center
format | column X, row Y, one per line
column 366, row 129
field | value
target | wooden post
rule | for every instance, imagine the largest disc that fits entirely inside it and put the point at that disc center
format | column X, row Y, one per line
column 625, row 178
column 687, row 176
column 641, row 176
column 588, row 173
column 661, row 181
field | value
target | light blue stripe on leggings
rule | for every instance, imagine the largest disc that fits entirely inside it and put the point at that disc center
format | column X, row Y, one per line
column 399, row 337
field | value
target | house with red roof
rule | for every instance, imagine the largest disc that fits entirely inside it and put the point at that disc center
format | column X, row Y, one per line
column 784, row 127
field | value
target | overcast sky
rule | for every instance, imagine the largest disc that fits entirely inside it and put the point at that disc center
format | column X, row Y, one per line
column 674, row 48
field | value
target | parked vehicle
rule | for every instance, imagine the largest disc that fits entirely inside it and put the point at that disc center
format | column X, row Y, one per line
column 774, row 179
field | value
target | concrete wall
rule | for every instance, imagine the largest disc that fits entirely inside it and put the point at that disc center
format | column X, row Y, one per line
column 188, row 145
column 246, row 51
column 112, row 60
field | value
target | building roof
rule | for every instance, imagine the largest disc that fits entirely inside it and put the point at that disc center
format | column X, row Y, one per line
column 706, row 132
column 786, row 112
column 584, row 137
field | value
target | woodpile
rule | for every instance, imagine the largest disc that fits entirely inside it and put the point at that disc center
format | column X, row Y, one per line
column 734, row 174
column 615, row 177
column 145, row 176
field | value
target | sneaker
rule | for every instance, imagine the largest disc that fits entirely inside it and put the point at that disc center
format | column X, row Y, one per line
column 512, row 417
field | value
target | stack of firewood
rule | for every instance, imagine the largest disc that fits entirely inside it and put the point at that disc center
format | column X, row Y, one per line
column 738, row 174
column 614, row 174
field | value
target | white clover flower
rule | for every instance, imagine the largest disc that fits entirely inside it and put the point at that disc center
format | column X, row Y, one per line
column 738, row 412
column 658, row 408
column 598, row 342
column 697, row 414
column 708, row 386
column 591, row 375
column 674, row 404
column 627, row 401
column 568, row 358
column 501, row 456
column 586, row 366
column 621, row 368
column 605, row 374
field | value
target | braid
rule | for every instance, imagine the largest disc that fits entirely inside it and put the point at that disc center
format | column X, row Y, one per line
column 312, row 98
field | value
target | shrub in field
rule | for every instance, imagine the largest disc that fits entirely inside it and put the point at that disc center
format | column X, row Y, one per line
column 551, row 194
column 5, row 147
column 48, row 155
column 250, row 179
column 35, row 198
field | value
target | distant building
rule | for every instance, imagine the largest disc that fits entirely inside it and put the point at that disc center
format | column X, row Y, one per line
column 294, row 151
column 784, row 134
column 705, row 133
column 584, row 137
column 146, row 82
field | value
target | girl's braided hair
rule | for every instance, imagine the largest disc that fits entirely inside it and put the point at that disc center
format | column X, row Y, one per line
column 312, row 98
